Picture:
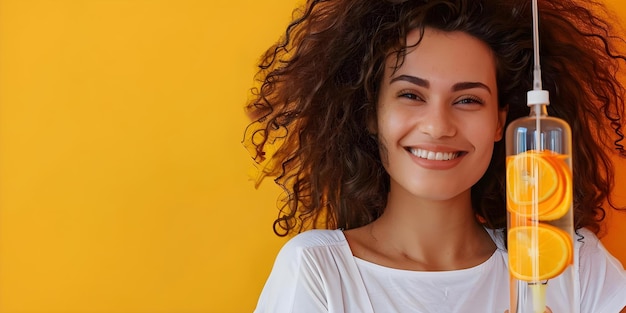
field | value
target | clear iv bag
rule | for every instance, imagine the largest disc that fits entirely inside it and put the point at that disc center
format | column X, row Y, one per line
column 539, row 190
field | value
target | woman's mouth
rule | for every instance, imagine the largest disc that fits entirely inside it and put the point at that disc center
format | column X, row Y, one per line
column 434, row 155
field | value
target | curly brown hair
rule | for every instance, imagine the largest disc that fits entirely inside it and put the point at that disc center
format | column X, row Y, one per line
column 317, row 91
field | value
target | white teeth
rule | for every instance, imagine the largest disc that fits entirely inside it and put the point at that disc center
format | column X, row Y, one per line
column 431, row 155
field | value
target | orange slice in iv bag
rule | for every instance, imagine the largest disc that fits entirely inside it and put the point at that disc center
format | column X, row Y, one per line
column 538, row 185
column 532, row 178
column 562, row 200
column 538, row 253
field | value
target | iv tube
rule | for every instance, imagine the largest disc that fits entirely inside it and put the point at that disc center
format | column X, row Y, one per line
column 542, row 98
column 537, row 97
column 537, row 66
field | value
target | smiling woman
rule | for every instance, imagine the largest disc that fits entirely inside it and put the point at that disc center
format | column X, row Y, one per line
column 390, row 118
column 123, row 183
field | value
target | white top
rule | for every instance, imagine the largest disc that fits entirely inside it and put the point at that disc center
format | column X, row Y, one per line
column 316, row 272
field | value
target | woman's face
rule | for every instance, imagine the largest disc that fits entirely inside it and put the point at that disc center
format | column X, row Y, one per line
column 438, row 115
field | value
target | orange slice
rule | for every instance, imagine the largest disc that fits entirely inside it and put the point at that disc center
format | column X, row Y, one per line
column 561, row 202
column 527, row 172
column 539, row 252
column 538, row 185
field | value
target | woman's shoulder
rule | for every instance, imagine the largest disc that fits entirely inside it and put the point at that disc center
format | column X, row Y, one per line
column 602, row 276
column 317, row 238
column 588, row 244
column 592, row 252
column 587, row 236
column 313, row 271
column 312, row 252
column 322, row 241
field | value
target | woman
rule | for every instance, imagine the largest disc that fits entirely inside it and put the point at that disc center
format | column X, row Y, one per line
column 387, row 120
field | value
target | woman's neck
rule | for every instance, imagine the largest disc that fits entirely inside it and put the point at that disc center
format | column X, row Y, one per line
column 419, row 234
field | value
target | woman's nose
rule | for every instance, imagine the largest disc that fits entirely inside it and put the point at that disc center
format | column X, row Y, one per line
column 438, row 121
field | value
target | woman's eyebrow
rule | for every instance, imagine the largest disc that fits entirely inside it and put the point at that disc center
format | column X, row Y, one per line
column 470, row 85
column 426, row 84
column 412, row 79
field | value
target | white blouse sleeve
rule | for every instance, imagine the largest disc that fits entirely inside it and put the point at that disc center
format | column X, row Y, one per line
column 294, row 280
column 602, row 277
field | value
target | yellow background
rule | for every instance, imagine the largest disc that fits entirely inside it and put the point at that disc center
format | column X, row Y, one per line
column 123, row 183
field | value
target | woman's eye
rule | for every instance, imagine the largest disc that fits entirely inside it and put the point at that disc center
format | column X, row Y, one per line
column 470, row 100
column 409, row 95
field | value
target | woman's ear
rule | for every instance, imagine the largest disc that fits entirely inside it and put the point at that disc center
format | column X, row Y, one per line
column 502, row 113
